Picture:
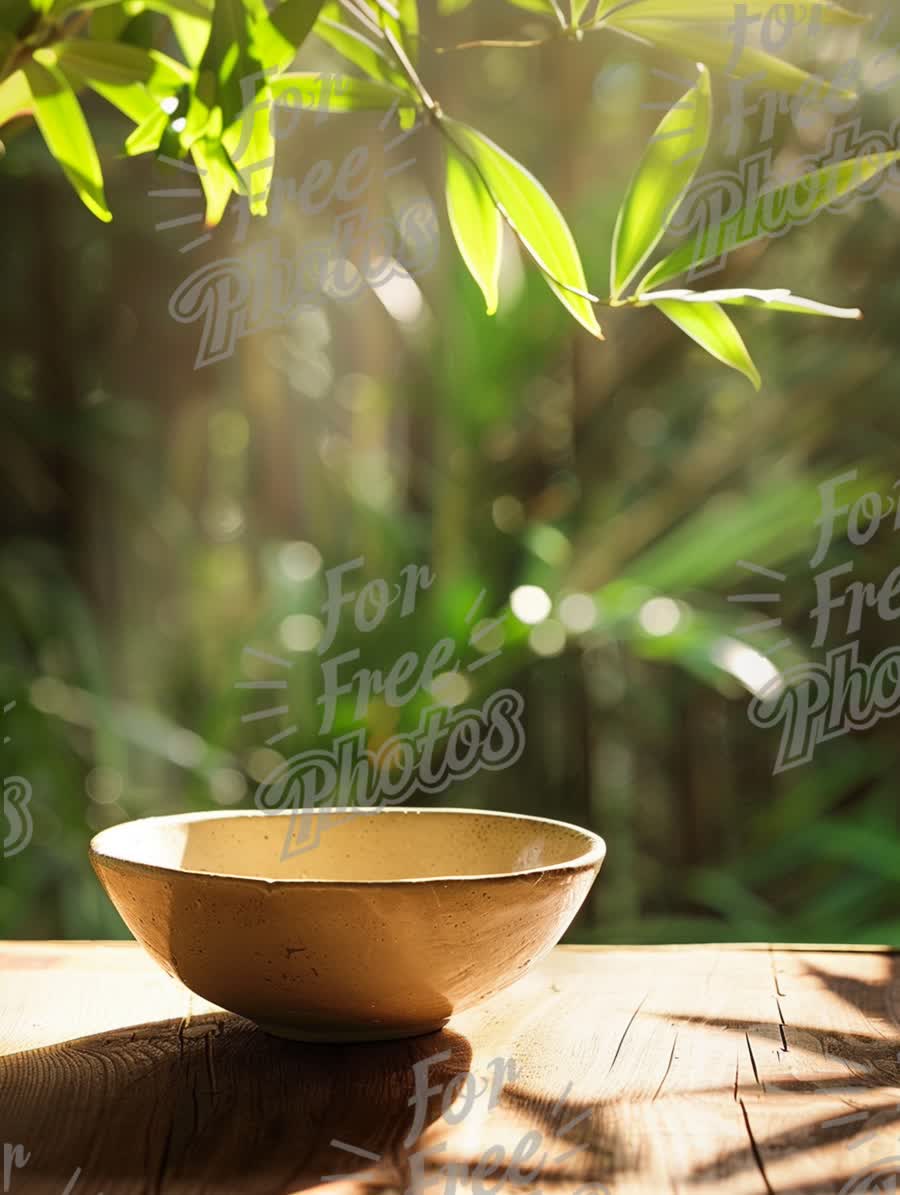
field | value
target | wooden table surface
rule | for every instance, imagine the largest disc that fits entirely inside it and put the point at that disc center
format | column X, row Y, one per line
column 632, row 1071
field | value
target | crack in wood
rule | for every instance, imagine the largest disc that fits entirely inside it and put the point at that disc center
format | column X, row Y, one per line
column 778, row 990
column 781, row 1026
column 755, row 1150
column 668, row 1067
column 210, row 1066
column 631, row 1021
column 753, row 1061
column 241, row 1112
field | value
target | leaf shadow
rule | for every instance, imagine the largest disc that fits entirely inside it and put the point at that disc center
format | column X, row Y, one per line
column 211, row 1103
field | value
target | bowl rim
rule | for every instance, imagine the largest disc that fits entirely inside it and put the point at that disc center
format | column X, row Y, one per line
column 594, row 855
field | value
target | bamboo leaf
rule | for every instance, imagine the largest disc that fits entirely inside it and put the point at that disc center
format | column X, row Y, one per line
column 774, row 300
column 116, row 63
column 771, row 214
column 192, row 35
column 66, row 133
column 476, row 224
column 203, row 115
column 405, row 26
column 712, row 329
column 698, row 42
column 533, row 216
column 196, row 9
column 139, row 101
column 110, row 21
column 192, row 8
column 230, row 56
column 133, row 98
column 148, row 134
column 250, row 143
column 829, row 13
column 15, row 97
column 661, row 182
column 278, row 36
column 218, row 178
column 409, row 23
column 356, row 47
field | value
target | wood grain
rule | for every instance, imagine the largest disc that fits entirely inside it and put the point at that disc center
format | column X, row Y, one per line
column 634, row 1072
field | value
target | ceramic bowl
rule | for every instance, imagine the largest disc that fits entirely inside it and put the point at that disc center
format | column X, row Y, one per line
column 382, row 923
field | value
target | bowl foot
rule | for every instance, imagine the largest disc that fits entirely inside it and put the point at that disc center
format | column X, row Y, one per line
column 360, row 1034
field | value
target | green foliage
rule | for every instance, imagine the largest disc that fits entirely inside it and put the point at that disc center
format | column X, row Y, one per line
column 662, row 181
column 774, row 300
column 503, row 452
column 699, row 29
column 217, row 105
column 532, row 215
column 710, row 327
column 64, row 129
column 476, row 223
column 772, row 214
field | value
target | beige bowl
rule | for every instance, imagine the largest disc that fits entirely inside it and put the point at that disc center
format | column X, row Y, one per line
column 395, row 919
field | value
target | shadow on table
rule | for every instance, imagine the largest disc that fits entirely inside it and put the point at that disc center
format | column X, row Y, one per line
column 867, row 1064
column 211, row 1104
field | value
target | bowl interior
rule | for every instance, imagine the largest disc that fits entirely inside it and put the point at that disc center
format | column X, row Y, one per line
column 351, row 846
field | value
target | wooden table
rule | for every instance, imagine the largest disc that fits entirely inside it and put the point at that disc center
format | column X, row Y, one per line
column 692, row 1069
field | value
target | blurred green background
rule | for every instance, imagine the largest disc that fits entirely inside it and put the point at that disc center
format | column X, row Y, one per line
column 158, row 518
